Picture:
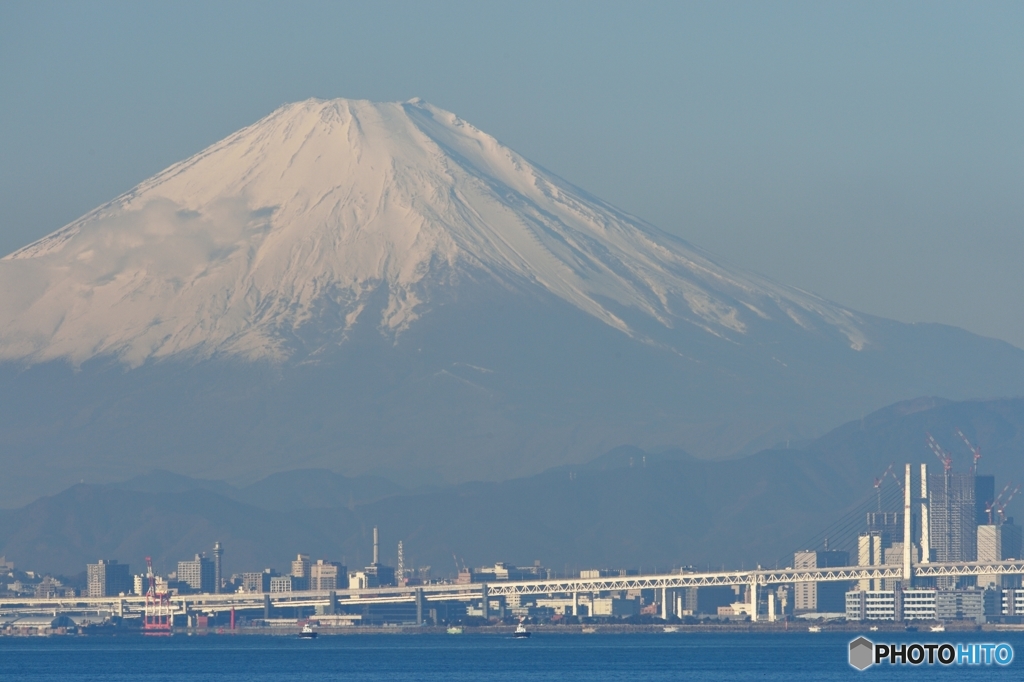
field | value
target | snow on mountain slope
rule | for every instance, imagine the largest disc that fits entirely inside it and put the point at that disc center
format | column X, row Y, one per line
column 331, row 201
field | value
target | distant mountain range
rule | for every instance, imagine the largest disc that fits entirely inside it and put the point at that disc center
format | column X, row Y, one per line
column 385, row 289
column 626, row 508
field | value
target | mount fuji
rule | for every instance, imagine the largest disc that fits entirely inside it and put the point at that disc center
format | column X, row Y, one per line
column 384, row 288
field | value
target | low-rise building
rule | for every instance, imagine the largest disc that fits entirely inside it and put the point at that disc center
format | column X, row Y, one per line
column 959, row 604
column 283, row 583
column 615, row 607
column 917, row 604
column 580, row 605
column 51, row 588
column 258, row 582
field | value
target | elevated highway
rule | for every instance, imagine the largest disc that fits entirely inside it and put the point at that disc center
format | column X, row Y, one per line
column 424, row 594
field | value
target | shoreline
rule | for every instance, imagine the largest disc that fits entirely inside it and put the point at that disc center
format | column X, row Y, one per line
column 547, row 630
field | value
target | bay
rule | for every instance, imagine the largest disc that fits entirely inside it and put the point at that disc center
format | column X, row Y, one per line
column 448, row 658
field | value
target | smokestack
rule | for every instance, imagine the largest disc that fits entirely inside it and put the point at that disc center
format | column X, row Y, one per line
column 376, row 548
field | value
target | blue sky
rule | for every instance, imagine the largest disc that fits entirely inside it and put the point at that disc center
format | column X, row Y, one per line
column 870, row 152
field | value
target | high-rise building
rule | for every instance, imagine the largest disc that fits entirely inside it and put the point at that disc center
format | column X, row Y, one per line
column 887, row 524
column 984, row 495
column 952, row 516
column 998, row 542
column 820, row 597
column 199, row 574
column 870, row 553
column 300, row 572
column 893, row 556
column 107, row 578
column 327, row 575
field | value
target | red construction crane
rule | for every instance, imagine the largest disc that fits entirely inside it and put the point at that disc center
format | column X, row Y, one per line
column 991, row 504
column 899, row 481
column 976, row 452
column 878, row 484
column 1002, row 506
column 878, row 481
column 944, row 457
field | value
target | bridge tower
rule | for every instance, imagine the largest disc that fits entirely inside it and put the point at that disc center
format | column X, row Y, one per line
column 908, row 544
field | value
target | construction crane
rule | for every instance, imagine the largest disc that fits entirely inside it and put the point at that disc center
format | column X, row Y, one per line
column 992, row 503
column 899, row 481
column 149, row 575
column 975, row 451
column 944, row 457
column 1002, row 506
column 878, row 484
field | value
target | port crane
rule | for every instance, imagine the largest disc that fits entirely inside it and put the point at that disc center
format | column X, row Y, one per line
column 158, row 618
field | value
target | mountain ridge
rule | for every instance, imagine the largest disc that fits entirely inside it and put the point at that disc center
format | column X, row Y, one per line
column 383, row 289
column 627, row 507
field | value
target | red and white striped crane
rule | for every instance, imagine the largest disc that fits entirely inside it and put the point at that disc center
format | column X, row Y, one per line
column 975, row 451
column 944, row 457
column 992, row 504
column 1002, row 505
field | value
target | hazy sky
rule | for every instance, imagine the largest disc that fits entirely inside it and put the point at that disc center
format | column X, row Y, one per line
column 870, row 152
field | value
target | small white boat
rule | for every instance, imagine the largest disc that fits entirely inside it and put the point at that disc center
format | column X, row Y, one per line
column 873, row 628
column 455, row 630
column 521, row 631
column 670, row 628
column 813, row 628
column 938, row 628
column 307, row 632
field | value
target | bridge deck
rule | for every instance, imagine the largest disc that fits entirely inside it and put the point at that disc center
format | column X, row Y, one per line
column 451, row 592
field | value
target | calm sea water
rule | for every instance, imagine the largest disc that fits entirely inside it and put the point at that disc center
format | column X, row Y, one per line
column 450, row 658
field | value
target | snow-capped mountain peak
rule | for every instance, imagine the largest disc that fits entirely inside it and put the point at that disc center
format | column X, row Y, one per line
column 323, row 205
